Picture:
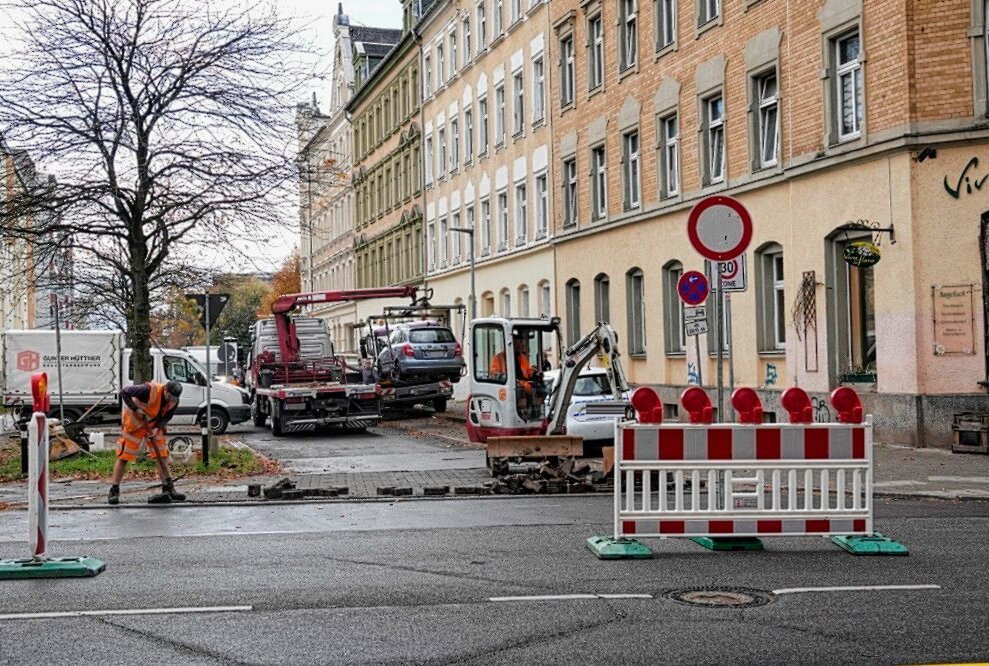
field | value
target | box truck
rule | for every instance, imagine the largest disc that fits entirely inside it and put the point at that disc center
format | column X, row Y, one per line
column 95, row 366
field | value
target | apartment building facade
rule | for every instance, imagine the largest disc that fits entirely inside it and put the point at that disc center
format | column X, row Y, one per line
column 325, row 156
column 17, row 284
column 487, row 140
column 387, row 180
column 835, row 122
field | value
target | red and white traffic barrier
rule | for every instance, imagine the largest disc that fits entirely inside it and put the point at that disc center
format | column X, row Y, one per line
column 743, row 479
column 37, row 446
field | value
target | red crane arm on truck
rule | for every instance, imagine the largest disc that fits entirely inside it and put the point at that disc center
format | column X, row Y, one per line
column 288, row 341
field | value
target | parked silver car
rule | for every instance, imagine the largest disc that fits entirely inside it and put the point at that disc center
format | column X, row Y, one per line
column 418, row 350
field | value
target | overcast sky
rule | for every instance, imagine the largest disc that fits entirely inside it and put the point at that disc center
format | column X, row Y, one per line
column 315, row 17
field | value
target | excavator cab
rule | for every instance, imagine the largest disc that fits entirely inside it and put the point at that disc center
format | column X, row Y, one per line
column 507, row 390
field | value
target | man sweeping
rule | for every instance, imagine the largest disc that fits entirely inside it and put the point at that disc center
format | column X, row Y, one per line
column 147, row 409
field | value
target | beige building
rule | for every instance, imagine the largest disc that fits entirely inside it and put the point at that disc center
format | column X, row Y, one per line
column 385, row 117
column 774, row 102
column 486, row 146
column 17, row 297
column 327, row 197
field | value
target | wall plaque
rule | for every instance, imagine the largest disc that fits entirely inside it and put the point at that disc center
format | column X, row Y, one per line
column 954, row 320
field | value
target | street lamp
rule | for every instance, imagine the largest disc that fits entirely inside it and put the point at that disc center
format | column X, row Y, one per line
column 473, row 283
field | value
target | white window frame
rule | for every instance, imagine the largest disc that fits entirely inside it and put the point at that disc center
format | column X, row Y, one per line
column 636, row 314
column 485, row 225
column 521, row 214
column 482, row 24
column 469, row 213
column 599, row 182
column 502, row 213
column 676, row 338
column 428, row 149
column 499, row 16
column 456, row 255
column 542, row 206
column 465, row 28
column 849, row 70
column 431, row 244
column 545, row 298
column 500, row 114
column 452, row 40
column 427, row 76
column 632, row 176
column 516, row 10
column 518, row 103
column 538, row 90
column 523, row 299
column 441, row 151
column 440, row 67
column 629, row 34
column 714, row 144
column 671, row 154
column 666, row 23
column 444, row 241
column 595, row 66
column 482, row 128
column 568, row 71
column 708, row 10
column 468, row 135
column 767, row 106
column 454, row 144
column 570, row 191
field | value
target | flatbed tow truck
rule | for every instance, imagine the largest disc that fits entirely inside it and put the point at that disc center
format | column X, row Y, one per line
column 300, row 390
column 397, row 393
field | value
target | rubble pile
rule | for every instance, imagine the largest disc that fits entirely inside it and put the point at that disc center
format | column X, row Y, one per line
column 568, row 475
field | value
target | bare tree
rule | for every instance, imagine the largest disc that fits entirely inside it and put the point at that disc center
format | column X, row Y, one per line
column 169, row 124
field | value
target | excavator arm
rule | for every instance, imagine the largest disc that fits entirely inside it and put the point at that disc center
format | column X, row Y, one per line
column 288, row 341
column 602, row 340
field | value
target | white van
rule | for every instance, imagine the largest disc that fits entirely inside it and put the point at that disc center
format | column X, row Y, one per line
column 231, row 404
column 95, row 366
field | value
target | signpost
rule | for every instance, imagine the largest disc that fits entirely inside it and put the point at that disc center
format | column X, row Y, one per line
column 733, row 274
column 693, row 289
column 212, row 305
column 720, row 229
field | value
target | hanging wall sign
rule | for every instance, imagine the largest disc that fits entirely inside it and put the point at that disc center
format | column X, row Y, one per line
column 954, row 320
column 862, row 254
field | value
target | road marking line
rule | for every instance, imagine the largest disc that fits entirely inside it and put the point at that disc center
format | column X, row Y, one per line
column 569, row 597
column 855, row 588
column 124, row 611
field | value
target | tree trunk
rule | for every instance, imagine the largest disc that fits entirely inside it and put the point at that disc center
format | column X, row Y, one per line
column 139, row 324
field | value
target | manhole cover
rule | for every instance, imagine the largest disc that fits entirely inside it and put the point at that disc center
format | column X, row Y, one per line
column 720, row 597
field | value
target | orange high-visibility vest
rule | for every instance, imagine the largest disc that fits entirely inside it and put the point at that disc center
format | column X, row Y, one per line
column 135, row 422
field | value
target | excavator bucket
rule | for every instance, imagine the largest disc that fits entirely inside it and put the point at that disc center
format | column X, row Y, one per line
column 502, row 449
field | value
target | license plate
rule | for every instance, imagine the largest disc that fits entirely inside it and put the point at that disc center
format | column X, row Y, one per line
column 436, row 354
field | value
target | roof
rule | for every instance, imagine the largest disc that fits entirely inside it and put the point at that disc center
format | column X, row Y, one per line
column 377, row 50
column 369, row 35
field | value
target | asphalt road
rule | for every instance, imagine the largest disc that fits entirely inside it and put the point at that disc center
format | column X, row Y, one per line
column 413, row 582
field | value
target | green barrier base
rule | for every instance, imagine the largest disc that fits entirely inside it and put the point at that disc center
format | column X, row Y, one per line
column 873, row 544
column 729, row 543
column 610, row 548
column 62, row 567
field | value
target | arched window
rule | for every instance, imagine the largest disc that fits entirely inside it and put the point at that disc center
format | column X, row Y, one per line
column 523, row 301
column 675, row 340
column 545, row 298
column 636, row 304
column 770, row 297
column 573, row 311
column 506, row 303
column 602, row 298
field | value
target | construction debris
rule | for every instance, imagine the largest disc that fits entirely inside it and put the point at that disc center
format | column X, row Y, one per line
column 566, row 475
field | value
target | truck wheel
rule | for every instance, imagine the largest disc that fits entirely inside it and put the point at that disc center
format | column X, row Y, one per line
column 276, row 425
column 219, row 421
column 258, row 417
column 439, row 404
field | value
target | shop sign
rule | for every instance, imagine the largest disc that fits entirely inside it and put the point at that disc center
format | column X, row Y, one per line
column 862, row 253
column 954, row 321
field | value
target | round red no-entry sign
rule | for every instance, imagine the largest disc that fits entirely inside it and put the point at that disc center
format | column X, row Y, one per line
column 693, row 287
column 719, row 228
